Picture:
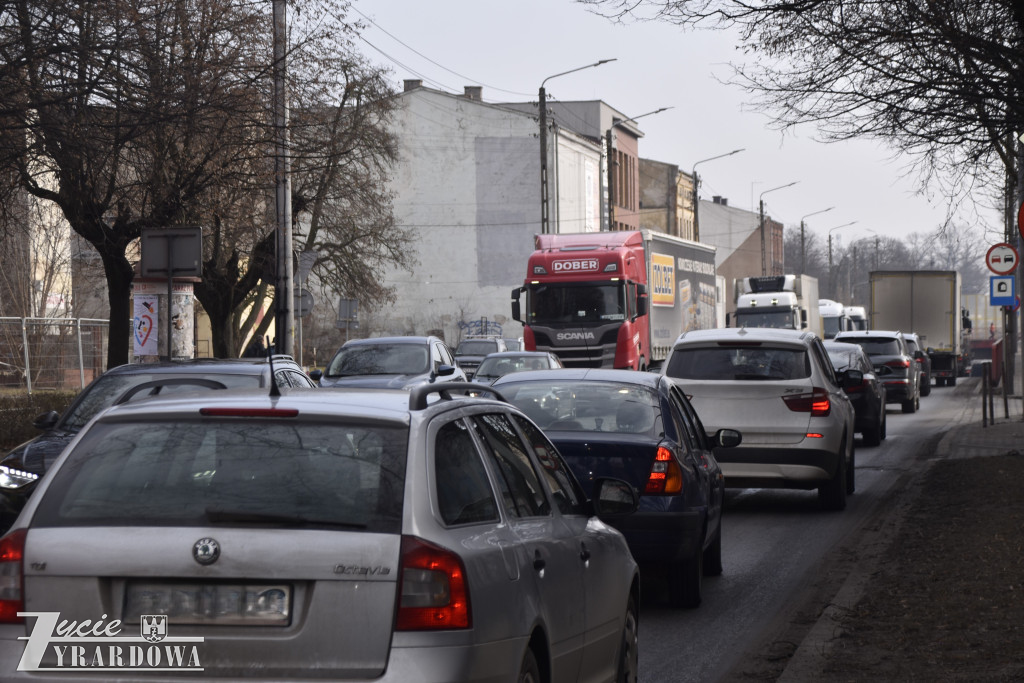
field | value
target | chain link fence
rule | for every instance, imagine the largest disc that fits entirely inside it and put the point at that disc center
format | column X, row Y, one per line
column 51, row 353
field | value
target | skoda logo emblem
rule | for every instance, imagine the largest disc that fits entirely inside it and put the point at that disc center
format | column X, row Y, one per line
column 206, row 551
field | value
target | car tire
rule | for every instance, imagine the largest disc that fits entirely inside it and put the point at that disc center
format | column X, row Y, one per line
column 873, row 435
column 529, row 670
column 917, row 402
column 952, row 381
column 684, row 581
column 629, row 648
column 885, row 421
column 908, row 406
column 926, row 386
column 832, row 494
column 851, row 470
column 713, row 555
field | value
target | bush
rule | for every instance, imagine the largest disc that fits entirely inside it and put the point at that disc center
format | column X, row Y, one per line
column 19, row 409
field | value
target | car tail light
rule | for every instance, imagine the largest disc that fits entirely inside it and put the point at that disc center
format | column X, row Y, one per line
column 12, row 577
column 898, row 364
column 920, row 361
column 248, row 412
column 816, row 403
column 433, row 592
column 666, row 477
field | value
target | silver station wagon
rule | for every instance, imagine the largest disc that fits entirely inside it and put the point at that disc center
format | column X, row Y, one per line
column 378, row 535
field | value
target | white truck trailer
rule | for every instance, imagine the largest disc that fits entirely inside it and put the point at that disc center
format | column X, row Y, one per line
column 926, row 302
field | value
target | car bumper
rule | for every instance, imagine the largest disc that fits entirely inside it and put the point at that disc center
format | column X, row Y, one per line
column 897, row 391
column 662, row 536
column 767, row 467
column 489, row 662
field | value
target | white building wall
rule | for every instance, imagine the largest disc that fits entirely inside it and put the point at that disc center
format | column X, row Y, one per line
column 468, row 185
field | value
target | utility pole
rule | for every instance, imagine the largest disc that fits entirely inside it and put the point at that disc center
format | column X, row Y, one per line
column 284, row 294
column 611, row 180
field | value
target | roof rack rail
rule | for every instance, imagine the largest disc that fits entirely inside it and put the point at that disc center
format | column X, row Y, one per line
column 154, row 386
column 418, row 394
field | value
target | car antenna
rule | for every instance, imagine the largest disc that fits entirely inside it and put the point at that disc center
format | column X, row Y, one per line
column 274, row 389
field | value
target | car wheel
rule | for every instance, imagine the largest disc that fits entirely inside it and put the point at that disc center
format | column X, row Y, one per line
column 908, row 406
column 952, row 381
column 885, row 421
column 851, row 472
column 629, row 649
column 529, row 670
column 713, row 556
column 926, row 386
column 832, row 494
column 684, row 581
column 917, row 402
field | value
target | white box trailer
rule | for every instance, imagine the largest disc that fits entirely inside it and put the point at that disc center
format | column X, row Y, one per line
column 926, row 302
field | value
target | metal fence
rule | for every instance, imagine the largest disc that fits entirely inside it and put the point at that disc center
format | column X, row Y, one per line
column 52, row 353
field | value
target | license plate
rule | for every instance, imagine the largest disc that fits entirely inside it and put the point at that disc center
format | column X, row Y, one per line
column 210, row 603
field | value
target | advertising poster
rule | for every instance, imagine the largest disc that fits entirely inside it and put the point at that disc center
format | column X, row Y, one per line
column 146, row 326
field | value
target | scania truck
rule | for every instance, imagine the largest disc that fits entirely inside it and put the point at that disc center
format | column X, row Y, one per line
column 615, row 299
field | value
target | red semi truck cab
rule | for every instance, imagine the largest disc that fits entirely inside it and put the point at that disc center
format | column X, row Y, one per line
column 586, row 300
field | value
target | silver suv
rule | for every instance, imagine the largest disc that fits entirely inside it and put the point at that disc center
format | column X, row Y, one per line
column 778, row 388
column 396, row 535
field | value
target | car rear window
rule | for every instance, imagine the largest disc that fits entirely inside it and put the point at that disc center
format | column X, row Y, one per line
column 739, row 363
column 876, row 346
column 231, row 471
column 588, row 406
column 476, row 348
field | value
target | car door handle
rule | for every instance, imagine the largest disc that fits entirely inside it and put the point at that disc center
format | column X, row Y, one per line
column 584, row 552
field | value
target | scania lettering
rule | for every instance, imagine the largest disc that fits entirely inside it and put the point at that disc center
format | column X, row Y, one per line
column 615, row 299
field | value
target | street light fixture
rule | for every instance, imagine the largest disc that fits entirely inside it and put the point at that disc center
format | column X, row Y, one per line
column 764, row 254
column 542, row 106
column 803, row 259
column 696, row 188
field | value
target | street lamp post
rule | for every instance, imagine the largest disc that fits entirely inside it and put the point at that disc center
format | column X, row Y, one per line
column 803, row 256
column 764, row 254
column 696, row 188
column 543, row 110
column 831, row 275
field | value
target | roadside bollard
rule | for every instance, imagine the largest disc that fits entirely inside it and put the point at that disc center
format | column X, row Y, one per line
column 987, row 415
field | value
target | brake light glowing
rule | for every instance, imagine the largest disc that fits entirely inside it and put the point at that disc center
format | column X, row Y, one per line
column 666, row 477
column 816, row 403
column 249, row 412
column 12, row 577
column 814, row 435
column 433, row 592
column 898, row 364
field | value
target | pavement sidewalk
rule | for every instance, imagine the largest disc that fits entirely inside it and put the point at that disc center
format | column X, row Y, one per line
column 967, row 437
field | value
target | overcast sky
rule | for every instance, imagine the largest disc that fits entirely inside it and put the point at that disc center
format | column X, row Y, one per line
column 510, row 47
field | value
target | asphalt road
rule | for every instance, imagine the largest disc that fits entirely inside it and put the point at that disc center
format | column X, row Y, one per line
column 774, row 546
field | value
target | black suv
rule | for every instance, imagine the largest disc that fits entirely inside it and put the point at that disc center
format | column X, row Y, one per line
column 895, row 366
column 20, row 468
column 471, row 352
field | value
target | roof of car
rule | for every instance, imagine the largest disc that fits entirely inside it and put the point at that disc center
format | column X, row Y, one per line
column 411, row 339
column 650, row 379
column 869, row 333
column 519, row 354
column 192, row 365
column 744, row 333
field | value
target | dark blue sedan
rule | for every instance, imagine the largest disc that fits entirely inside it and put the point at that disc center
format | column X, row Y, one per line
column 639, row 427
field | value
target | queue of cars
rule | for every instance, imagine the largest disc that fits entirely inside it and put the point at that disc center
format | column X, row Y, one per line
column 483, row 530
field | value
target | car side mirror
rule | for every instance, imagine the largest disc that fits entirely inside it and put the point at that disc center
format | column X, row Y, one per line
column 315, row 374
column 443, row 371
column 516, row 311
column 614, row 497
column 918, row 354
column 643, row 303
column 46, row 420
column 852, row 379
column 727, row 438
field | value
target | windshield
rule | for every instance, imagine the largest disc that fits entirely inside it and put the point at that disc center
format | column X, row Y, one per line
column 588, row 406
column 380, row 359
column 233, row 470
column 498, row 366
column 761, row 318
column 587, row 302
column 743, row 363
column 831, row 323
column 476, row 348
column 104, row 391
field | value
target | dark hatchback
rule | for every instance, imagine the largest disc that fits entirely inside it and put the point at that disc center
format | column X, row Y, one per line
column 868, row 397
column 639, row 427
column 22, row 467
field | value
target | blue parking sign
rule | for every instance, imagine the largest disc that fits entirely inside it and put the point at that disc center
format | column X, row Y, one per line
column 1002, row 290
